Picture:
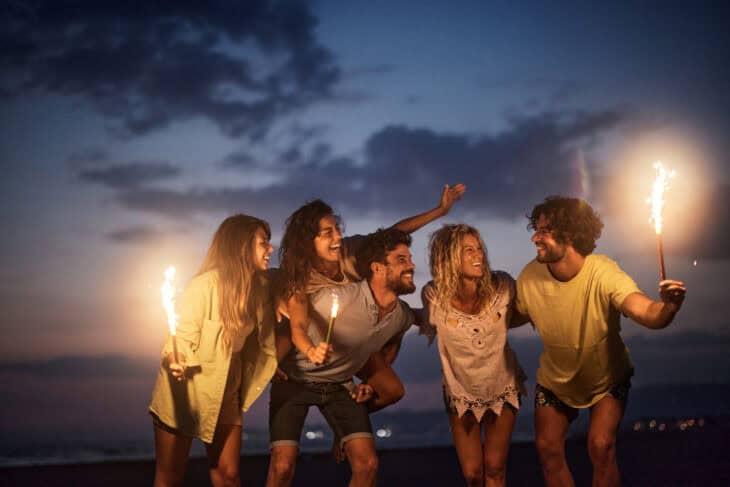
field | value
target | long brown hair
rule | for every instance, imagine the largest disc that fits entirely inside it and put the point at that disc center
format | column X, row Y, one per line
column 231, row 254
column 297, row 254
column 445, row 263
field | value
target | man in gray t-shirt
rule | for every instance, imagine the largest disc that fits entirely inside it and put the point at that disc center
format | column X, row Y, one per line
column 370, row 317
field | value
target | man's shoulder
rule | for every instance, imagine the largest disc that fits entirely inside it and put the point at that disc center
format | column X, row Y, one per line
column 531, row 270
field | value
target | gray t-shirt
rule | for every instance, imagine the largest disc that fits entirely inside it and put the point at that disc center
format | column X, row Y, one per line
column 356, row 334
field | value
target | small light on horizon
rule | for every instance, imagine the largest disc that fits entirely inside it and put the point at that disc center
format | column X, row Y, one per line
column 694, row 263
column 384, row 433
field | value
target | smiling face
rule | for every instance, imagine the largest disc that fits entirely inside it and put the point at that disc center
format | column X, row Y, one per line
column 399, row 270
column 262, row 250
column 328, row 241
column 472, row 257
column 549, row 250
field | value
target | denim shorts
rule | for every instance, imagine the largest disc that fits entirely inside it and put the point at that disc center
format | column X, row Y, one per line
column 290, row 402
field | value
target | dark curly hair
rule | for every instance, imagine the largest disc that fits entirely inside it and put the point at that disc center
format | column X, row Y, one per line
column 296, row 252
column 571, row 220
column 377, row 246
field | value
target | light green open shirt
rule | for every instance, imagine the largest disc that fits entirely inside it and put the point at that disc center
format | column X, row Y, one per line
column 192, row 406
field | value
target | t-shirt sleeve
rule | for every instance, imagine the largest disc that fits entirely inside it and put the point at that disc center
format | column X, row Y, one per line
column 617, row 284
column 520, row 304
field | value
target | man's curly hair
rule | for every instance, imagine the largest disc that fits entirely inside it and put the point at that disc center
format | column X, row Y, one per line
column 377, row 246
column 571, row 220
column 297, row 254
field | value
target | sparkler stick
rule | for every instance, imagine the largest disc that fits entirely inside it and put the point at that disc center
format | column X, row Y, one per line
column 168, row 302
column 333, row 316
column 661, row 184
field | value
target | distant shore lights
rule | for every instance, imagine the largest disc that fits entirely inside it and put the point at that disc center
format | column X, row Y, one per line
column 656, row 200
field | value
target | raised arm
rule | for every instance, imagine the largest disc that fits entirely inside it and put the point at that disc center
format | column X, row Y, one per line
column 655, row 314
column 449, row 196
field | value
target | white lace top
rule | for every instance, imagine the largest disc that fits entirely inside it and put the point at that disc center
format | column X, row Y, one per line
column 480, row 369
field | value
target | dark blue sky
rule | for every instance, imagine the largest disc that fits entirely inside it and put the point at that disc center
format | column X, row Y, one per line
column 128, row 132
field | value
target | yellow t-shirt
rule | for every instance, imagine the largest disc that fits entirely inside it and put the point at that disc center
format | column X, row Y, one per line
column 579, row 323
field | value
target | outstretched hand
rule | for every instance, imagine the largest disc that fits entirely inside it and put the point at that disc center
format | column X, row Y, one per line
column 451, row 195
column 672, row 292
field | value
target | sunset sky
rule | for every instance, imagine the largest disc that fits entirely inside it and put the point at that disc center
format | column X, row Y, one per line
column 129, row 130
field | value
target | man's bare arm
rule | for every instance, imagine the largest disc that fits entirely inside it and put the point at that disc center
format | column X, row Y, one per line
column 655, row 314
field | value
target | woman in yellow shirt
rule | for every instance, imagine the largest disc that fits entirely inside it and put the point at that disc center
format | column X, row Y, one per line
column 226, row 355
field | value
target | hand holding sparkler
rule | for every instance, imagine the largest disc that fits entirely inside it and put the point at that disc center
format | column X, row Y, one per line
column 672, row 292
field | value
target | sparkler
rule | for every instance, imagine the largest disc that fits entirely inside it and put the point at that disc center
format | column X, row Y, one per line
column 168, row 302
column 661, row 184
column 333, row 316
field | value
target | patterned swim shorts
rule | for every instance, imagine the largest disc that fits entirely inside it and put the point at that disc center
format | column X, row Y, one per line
column 545, row 397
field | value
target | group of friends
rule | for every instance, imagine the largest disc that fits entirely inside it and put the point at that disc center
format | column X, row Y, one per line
column 243, row 325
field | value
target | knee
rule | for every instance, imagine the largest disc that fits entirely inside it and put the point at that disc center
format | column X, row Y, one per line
column 366, row 465
column 549, row 450
column 494, row 470
column 228, row 478
column 392, row 394
column 165, row 479
column 397, row 392
column 281, row 469
column 473, row 474
column 601, row 448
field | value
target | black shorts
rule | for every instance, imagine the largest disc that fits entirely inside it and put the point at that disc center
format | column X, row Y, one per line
column 544, row 397
column 290, row 402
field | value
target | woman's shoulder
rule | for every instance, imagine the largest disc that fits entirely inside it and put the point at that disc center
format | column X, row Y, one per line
column 428, row 292
column 501, row 278
column 203, row 280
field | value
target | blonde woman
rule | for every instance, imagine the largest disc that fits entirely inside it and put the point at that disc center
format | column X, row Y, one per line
column 470, row 307
column 226, row 355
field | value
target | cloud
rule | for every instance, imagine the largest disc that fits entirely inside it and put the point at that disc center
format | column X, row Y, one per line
column 131, row 175
column 137, row 234
column 241, row 65
column 508, row 172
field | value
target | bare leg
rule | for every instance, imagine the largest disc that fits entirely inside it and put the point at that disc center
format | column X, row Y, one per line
column 498, row 433
column 606, row 415
column 551, row 425
column 224, row 456
column 363, row 461
column 468, row 442
column 282, row 465
column 171, row 458
column 385, row 382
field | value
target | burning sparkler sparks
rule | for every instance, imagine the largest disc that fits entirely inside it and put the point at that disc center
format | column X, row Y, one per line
column 333, row 316
column 656, row 200
column 168, row 303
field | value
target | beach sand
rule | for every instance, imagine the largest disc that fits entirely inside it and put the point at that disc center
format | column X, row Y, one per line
column 696, row 458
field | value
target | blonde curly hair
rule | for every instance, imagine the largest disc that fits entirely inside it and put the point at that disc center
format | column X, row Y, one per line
column 445, row 261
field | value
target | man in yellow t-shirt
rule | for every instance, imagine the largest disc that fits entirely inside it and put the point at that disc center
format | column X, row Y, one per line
column 575, row 299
